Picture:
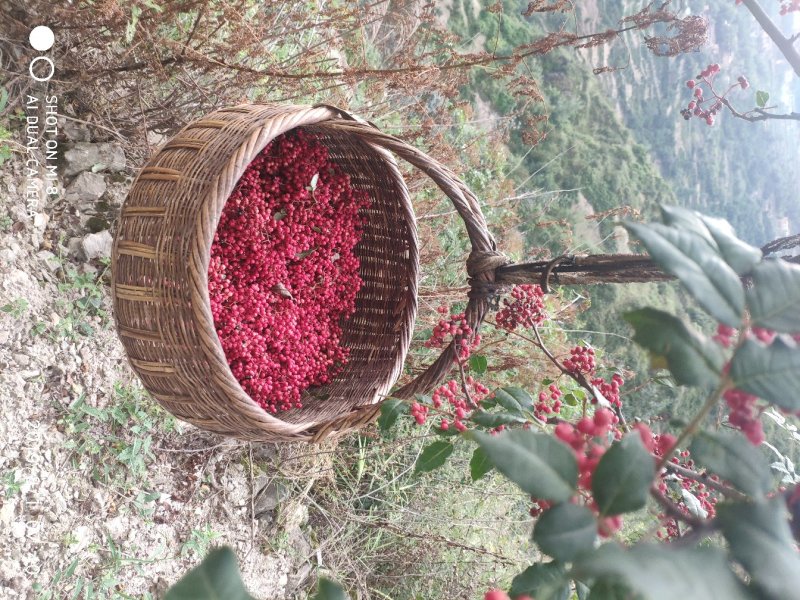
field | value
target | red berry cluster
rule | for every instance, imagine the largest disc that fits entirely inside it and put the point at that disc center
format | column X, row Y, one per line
column 609, row 389
column 459, row 407
column 539, row 506
column 283, row 273
column 495, row 594
column 706, row 496
column 526, row 309
column 419, row 412
column 657, row 445
column 661, row 445
column 765, row 336
column 695, row 106
column 457, row 327
column 724, row 336
column 589, row 439
column 581, row 360
column 549, row 402
column 745, row 414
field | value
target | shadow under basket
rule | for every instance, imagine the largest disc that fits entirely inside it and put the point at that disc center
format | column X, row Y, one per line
column 160, row 263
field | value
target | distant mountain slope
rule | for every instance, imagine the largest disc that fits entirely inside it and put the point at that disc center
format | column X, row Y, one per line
column 746, row 172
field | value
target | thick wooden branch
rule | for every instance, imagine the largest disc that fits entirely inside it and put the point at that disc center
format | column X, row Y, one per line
column 605, row 268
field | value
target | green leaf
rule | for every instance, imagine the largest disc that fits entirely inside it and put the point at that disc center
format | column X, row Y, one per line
column 774, row 298
column 479, row 464
column 495, row 419
column 686, row 219
column 329, row 590
column 313, row 185
column 729, row 455
column 216, row 578
column 692, row 259
column 542, row 581
column 692, row 358
column 659, row 572
column 770, row 372
column 391, row 409
column 478, row 364
column 622, row 480
column 565, row 530
column 741, row 257
column 521, row 398
column 762, row 98
column 538, row 463
column 582, row 590
column 153, row 5
column 611, row 589
column 760, row 539
column 305, row 253
column 503, row 398
column 3, row 98
column 433, row 456
column 570, row 399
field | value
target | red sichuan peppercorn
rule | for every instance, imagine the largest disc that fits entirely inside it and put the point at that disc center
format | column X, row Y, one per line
column 283, row 273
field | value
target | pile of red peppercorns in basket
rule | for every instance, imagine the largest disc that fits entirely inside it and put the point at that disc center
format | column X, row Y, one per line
column 283, row 273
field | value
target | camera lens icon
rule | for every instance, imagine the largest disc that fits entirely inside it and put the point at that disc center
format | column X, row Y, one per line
column 42, row 38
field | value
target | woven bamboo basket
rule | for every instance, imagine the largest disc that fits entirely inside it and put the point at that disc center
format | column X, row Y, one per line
column 162, row 250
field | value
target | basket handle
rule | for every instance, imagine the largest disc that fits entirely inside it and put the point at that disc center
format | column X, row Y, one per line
column 484, row 257
column 489, row 270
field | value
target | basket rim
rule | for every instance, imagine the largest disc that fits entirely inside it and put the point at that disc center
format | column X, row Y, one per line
column 271, row 121
column 292, row 117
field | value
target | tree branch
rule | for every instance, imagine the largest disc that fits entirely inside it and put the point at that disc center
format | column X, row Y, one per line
column 786, row 46
column 762, row 115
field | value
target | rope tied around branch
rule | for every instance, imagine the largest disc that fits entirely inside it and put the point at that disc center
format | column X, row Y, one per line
column 481, row 268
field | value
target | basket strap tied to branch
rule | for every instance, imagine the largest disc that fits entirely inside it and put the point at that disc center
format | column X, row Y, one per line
column 481, row 268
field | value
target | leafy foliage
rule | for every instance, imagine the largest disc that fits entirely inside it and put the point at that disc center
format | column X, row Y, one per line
column 732, row 457
column 537, row 463
column 581, row 483
column 433, row 456
column 565, row 531
column 691, row 357
column 622, row 480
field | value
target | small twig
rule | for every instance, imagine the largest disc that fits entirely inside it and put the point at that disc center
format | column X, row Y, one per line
column 144, row 118
column 705, row 480
column 436, row 538
column 252, row 499
column 193, row 450
column 578, row 377
column 672, row 510
column 111, row 131
column 762, row 115
column 464, row 386
column 194, row 29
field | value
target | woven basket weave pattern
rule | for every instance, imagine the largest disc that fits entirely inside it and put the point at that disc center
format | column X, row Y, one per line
column 160, row 288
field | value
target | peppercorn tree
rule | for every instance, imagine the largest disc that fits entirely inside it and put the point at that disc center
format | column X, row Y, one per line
column 724, row 523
